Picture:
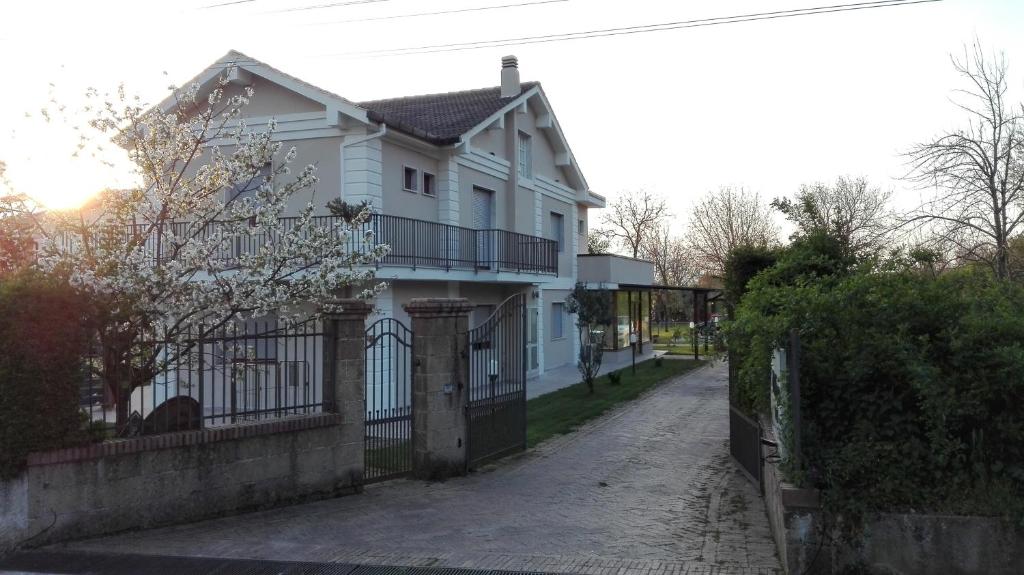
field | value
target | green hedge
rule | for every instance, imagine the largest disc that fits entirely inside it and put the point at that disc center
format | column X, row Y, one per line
column 41, row 338
column 912, row 387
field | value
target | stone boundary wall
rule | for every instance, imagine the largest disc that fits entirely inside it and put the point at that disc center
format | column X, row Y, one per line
column 794, row 518
column 158, row 480
column 908, row 544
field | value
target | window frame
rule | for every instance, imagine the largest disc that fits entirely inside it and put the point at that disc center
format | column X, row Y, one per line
column 557, row 311
column 525, row 168
column 234, row 194
column 559, row 230
column 433, row 184
column 415, row 179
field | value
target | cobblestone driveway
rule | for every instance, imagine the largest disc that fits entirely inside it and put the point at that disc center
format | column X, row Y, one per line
column 648, row 489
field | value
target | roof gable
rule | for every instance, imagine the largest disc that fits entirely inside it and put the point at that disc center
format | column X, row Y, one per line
column 441, row 118
column 239, row 67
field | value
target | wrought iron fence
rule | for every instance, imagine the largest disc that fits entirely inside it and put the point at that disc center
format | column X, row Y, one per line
column 388, row 400
column 245, row 371
column 496, row 409
column 413, row 243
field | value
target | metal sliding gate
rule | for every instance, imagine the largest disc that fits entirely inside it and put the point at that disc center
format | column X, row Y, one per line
column 496, row 410
column 744, row 433
column 388, row 438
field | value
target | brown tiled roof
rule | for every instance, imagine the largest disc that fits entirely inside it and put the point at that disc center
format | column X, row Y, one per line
column 440, row 118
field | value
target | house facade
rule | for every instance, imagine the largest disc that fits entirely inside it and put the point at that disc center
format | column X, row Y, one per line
column 477, row 192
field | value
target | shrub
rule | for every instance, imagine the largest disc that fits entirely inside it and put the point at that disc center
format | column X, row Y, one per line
column 657, row 361
column 911, row 387
column 614, row 377
column 41, row 338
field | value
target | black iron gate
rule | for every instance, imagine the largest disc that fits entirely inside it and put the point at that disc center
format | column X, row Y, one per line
column 388, row 439
column 744, row 432
column 496, row 410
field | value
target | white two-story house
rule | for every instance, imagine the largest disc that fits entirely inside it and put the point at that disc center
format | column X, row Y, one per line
column 477, row 192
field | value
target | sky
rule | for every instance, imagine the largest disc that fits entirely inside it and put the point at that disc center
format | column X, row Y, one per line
column 768, row 105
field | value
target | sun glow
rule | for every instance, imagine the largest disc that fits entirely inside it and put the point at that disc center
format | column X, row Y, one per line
column 61, row 182
column 41, row 163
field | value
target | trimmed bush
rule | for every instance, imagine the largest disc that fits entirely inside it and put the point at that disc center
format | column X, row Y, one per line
column 614, row 377
column 912, row 387
column 41, row 338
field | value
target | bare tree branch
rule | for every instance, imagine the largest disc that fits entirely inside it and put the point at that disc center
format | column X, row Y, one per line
column 725, row 220
column 633, row 218
column 977, row 171
column 851, row 210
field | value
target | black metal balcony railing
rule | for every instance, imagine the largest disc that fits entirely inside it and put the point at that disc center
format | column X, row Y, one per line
column 414, row 244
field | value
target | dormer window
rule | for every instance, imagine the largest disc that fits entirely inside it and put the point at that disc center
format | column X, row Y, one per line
column 411, row 181
column 525, row 156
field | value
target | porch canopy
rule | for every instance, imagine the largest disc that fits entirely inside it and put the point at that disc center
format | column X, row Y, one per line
column 631, row 284
column 633, row 310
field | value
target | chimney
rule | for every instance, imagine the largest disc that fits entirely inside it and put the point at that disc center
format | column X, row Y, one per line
column 509, row 77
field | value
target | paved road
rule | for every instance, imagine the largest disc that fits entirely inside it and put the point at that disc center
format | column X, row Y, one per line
column 646, row 490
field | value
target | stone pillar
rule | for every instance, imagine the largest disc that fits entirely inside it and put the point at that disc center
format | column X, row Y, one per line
column 440, row 385
column 345, row 381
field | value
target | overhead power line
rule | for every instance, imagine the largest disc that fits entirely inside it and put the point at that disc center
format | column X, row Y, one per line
column 456, row 11
column 329, row 5
column 696, row 23
column 223, row 4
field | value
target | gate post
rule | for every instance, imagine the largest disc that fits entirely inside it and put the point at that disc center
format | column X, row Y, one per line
column 440, row 385
column 344, row 376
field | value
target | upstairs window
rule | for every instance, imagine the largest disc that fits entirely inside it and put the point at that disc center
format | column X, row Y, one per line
column 248, row 188
column 410, row 182
column 558, row 230
column 428, row 184
column 525, row 156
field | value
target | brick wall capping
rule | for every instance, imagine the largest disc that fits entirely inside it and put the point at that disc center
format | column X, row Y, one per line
column 182, row 438
column 437, row 307
column 351, row 308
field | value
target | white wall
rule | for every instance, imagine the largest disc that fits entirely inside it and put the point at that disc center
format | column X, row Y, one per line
column 398, row 201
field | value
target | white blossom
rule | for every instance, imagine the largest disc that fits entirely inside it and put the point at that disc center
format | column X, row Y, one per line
column 166, row 255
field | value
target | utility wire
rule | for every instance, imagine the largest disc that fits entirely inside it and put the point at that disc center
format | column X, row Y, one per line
column 456, row 11
column 696, row 23
column 322, row 6
column 223, row 4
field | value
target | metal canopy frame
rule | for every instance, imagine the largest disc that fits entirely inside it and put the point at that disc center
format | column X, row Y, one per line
column 700, row 295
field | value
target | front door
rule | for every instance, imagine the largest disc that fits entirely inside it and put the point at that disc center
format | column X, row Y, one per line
column 483, row 220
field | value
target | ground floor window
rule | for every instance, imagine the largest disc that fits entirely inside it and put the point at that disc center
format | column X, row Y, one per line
column 557, row 320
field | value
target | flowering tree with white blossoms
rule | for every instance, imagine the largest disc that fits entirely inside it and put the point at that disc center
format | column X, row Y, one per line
column 17, row 245
column 164, row 258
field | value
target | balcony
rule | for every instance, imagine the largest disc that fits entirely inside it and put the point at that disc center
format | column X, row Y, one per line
column 419, row 243
column 414, row 244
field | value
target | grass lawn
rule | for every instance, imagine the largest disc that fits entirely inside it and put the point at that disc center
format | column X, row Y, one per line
column 682, row 346
column 564, row 410
column 389, row 458
column 685, row 349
